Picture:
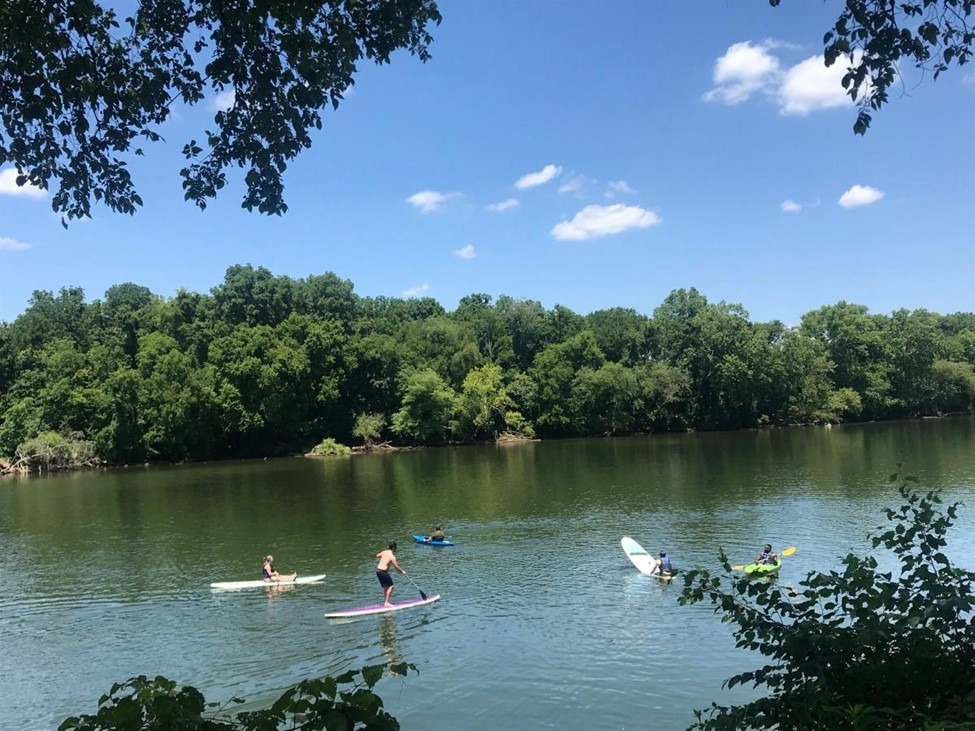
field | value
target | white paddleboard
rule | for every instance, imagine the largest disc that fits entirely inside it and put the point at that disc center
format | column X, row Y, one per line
column 641, row 558
column 271, row 584
column 381, row 608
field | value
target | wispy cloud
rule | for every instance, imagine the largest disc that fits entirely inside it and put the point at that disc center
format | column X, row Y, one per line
column 417, row 290
column 8, row 185
column 573, row 185
column 544, row 175
column 618, row 187
column 790, row 206
column 860, row 195
column 466, row 252
column 503, row 205
column 582, row 186
column 430, row 201
column 9, row 244
column 595, row 221
column 747, row 69
column 968, row 78
column 224, row 100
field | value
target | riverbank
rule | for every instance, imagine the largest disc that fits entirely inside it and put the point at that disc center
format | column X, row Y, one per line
column 12, row 467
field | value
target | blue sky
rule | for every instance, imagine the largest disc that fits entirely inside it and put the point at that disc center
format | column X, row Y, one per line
column 578, row 153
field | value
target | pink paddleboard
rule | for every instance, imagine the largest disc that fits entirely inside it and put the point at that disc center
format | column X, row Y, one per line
column 380, row 608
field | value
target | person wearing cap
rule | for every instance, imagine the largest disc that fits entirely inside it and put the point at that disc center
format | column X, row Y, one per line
column 438, row 535
column 664, row 566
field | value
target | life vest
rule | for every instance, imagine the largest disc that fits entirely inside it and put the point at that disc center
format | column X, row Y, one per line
column 665, row 566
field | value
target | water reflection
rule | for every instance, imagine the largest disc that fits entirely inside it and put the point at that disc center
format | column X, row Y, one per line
column 273, row 591
column 387, row 639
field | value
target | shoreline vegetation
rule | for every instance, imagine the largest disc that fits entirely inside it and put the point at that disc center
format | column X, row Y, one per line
column 33, row 466
column 38, row 465
column 267, row 366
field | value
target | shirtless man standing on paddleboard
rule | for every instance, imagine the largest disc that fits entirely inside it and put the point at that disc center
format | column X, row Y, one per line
column 387, row 558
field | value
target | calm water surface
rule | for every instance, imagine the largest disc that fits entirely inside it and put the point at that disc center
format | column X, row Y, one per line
column 543, row 622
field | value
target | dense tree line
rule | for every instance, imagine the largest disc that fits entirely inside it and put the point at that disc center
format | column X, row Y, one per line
column 268, row 364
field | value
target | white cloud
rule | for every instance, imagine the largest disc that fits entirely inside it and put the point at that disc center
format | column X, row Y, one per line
column 618, row 187
column 541, row 177
column 9, row 244
column 810, row 85
column 790, row 206
column 417, row 290
column 466, row 252
column 595, row 221
column 503, row 205
column 8, row 185
column 747, row 69
column 968, row 78
column 429, row 201
column 224, row 100
column 860, row 195
column 743, row 70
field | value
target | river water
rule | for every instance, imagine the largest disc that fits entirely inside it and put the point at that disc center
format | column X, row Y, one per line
column 543, row 622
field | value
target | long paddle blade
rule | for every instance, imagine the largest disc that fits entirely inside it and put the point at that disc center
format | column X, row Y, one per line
column 422, row 595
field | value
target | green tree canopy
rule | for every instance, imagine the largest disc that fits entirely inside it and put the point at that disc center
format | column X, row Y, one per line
column 82, row 89
column 267, row 364
column 429, row 408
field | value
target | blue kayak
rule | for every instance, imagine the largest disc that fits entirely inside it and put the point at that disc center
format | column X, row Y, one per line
column 426, row 539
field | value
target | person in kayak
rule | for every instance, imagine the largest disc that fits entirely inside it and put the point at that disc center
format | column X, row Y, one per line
column 268, row 572
column 387, row 558
column 767, row 556
column 438, row 535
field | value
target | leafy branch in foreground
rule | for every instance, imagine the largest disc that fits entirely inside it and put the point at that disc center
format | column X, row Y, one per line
column 321, row 704
column 81, row 90
column 856, row 648
column 876, row 35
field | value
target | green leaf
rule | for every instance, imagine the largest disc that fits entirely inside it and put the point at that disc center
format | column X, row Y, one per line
column 372, row 674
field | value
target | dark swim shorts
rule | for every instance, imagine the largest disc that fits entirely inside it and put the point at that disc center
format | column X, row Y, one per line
column 385, row 580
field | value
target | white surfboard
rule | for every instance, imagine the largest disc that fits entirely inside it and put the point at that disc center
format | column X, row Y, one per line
column 381, row 608
column 641, row 558
column 270, row 584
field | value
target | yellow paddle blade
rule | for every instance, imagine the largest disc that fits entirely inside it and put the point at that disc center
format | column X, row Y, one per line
column 739, row 567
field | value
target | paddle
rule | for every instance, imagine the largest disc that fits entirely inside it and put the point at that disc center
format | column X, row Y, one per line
column 787, row 552
column 422, row 595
